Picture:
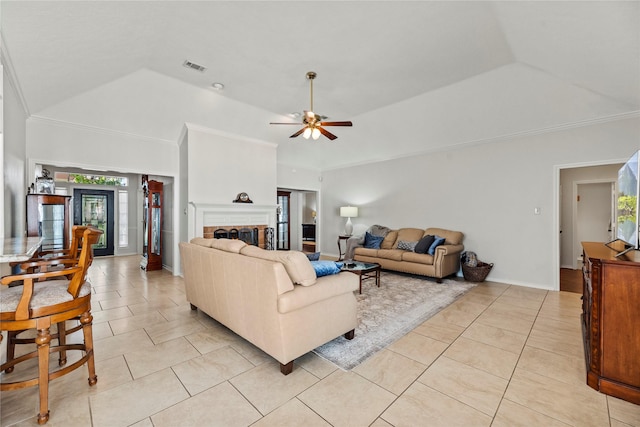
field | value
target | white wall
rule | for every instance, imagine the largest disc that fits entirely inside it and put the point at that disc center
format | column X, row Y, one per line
column 222, row 165
column 487, row 191
column 14, row 165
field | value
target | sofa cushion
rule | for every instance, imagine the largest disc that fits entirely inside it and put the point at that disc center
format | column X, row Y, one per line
column 326, row 268
column 389, row 240
column 296, row 263
column 406, row 246
column 228, row 245
column 201, row 241
column 371, row 241
column 409, row 235
column 424, row 244
column 394, row 254
column 418, row 258
column 451, row 237
column 366, row 252
column 436, row 242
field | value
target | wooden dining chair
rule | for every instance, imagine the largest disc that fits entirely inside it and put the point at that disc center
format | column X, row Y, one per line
column 57, row 260
column 41, row 302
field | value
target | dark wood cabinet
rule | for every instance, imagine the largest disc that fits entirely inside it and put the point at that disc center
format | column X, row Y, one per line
column 152, row 226
column 48, row 216
column 611, row 320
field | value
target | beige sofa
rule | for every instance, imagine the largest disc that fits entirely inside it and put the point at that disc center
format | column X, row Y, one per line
column 271, row 298
column 444, row 262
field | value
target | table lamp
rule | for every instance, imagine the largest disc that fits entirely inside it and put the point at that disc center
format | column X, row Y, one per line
column 348, row 212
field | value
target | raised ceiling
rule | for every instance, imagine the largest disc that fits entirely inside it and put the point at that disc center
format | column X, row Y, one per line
column 499, row 68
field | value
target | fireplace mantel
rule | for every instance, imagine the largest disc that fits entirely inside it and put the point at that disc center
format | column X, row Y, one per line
column 206, row 214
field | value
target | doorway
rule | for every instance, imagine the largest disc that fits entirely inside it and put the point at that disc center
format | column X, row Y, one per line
column 284, row 226
column 95, row 208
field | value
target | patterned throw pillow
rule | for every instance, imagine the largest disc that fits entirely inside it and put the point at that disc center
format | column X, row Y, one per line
column 407, row 246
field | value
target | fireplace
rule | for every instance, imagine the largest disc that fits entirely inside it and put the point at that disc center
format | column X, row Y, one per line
column 256, row 235
column 248, row 222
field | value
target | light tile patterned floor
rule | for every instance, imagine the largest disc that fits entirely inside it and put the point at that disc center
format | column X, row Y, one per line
column 499, row 356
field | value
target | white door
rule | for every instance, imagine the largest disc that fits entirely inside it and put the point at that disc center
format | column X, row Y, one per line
column 593, row 213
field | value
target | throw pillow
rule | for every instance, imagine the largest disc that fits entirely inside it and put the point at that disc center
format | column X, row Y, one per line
column 371, row 241
column 407, row 246
column 424, row 244
column 326, row 268
column 437, row 242
column 314, row 256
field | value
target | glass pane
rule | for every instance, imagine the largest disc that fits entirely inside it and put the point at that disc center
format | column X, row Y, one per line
column 155, row 231
column 123, row 219
column 94, row 213
column 52, row 226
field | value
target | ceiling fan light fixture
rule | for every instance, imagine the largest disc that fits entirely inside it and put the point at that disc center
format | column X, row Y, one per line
column 315, row 134
column 307, row 133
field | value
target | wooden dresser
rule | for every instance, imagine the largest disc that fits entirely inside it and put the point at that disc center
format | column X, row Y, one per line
column 611, row 321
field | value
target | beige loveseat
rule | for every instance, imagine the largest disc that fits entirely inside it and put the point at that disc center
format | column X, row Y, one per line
column 444, row 262
column 271, row 298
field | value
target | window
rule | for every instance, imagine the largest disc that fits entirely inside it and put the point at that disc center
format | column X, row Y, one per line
column 119, row 181
column 123, row 219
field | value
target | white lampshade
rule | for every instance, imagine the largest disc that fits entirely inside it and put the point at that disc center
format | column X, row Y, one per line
column 315, row 134
column 307, row 133
column 349, row 212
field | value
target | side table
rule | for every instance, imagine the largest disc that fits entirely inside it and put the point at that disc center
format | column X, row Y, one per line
column 340, row 251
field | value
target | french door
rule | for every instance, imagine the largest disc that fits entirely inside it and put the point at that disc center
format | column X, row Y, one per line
column 283, row 232
column 95, row 207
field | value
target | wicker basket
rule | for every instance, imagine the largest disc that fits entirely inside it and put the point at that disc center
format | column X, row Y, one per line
column 476, row 274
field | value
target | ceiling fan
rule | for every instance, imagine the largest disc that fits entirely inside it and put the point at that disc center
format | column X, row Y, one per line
column 313, row 123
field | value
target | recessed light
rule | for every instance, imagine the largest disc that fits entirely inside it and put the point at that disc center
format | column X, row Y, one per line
column 295, row 115
column 217, row 86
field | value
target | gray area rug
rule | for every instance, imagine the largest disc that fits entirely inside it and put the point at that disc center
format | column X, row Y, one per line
column 387, row 313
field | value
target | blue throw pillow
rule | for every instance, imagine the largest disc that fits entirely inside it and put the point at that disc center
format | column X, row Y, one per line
column 314, row 256
column 326, row 268
column 371, row 241
column 437, row 242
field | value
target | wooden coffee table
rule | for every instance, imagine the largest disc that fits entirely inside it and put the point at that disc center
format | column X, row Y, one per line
column 366, row 270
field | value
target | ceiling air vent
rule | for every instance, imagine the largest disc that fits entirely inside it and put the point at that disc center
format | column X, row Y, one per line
column 194, row 66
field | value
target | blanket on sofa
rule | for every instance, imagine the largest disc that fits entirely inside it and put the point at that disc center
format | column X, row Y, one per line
column 355, row 241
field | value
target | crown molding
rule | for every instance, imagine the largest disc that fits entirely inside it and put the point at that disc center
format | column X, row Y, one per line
column 97, row 129
column 500, row 138
column 12, row 77
column 199, row 128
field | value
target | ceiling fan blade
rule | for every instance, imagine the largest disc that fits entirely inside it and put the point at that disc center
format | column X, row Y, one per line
column 297, row 124
column 298, row 133
column 336, row 124
column 326, row 133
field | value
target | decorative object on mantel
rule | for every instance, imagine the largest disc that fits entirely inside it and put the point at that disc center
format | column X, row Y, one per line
column 242, row 198
column 44, row 183
column 348, row 212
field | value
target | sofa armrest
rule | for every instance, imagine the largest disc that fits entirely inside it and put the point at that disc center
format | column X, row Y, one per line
column 448, row 250
column 446, row 259
column 324, row 288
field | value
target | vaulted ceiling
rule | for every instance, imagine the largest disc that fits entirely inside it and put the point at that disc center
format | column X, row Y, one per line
column 413, row 76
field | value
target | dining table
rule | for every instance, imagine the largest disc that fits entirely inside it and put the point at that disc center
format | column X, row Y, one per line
column 17, row 249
